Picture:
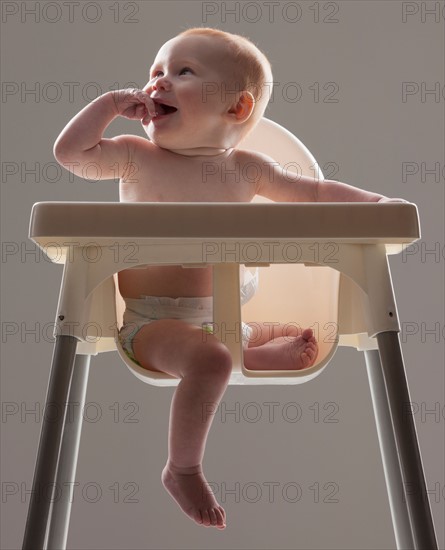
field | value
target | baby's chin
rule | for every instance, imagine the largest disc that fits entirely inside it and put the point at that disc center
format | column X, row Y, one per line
column 147, row 131
column 145, row 126
column 153, row 139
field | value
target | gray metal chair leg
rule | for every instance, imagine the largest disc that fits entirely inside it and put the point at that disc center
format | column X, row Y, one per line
column 388, row 449
column 414, row 485
column 66, row 472
column 49, row 445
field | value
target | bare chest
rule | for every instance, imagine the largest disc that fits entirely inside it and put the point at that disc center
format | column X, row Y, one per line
column 164, row 179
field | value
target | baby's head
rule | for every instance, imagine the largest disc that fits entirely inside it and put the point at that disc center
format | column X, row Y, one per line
column 220, row 84
column 244, row 68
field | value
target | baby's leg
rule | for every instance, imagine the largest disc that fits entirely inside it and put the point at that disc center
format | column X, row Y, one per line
column 267, row 332
column 204, row 365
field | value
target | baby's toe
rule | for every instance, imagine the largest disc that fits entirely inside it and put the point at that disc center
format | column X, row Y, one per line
column 198, row 517
column 219, row 517
column 205, row 517
column 213, row 517
column 308, row 334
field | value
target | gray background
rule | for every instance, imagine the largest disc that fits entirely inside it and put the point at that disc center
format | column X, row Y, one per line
column 368, row 51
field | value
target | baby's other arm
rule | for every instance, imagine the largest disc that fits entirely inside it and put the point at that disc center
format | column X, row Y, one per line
column 281, row 185
column 81, row 142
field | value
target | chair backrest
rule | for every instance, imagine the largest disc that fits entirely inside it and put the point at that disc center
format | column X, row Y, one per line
column 295, row 294
column 270, row 138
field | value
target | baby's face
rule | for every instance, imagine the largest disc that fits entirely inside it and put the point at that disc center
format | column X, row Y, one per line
column 191, row 75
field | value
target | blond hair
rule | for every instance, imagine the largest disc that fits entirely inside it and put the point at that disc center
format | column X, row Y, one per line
column 252, row 70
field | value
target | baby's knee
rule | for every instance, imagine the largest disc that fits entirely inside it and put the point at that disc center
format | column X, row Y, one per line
column 213, row 359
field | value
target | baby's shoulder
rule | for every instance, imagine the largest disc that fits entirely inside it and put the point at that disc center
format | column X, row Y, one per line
column 141, row 151
column 140, row 156
column 246, row 156
column 138, row 144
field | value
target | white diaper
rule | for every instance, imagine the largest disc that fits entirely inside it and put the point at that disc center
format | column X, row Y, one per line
column 195, row 310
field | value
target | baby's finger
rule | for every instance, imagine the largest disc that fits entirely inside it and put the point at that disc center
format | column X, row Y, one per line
column 144, row 97
column 151, row 107
column 141, row 110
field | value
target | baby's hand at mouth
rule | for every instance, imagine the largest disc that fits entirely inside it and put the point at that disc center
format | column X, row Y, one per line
column 134, row 104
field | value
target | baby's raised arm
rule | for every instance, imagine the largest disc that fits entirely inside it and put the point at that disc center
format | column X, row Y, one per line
column 81, row 143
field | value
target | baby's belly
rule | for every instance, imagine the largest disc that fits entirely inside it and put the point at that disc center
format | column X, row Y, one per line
column 172, row 281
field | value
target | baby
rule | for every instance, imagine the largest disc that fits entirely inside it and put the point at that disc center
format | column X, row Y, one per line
column 207, row 91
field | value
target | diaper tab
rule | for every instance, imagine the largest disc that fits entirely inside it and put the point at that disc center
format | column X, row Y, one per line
column 208, row 327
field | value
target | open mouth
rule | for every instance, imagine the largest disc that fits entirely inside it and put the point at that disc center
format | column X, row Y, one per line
column 163, row 109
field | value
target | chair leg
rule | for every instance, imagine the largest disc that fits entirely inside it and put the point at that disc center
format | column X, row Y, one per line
column 49, row 444
column 388, row 449
column 69, row 451
column 404, row 430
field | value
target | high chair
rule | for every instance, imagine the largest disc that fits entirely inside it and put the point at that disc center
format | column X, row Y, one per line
column 337, row 253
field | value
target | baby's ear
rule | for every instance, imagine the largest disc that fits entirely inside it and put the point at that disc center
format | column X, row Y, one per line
column 244, row 106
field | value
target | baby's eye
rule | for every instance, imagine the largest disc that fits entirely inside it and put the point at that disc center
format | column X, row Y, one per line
column 157, row 73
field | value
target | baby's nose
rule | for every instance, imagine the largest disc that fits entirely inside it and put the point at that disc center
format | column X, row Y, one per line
column 161, row 82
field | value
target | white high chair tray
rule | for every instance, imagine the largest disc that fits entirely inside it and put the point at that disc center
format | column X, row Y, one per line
column 388, row 223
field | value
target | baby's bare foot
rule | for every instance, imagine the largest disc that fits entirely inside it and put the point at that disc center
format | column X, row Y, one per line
column 303, row 350
column 298, row 353
column 189, row 488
